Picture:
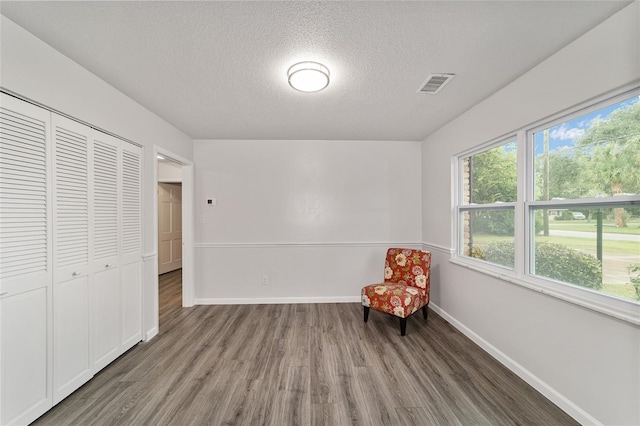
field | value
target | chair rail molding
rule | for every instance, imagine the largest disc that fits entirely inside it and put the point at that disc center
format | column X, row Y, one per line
column 149, row 256
column 385, row 244
column 438, row 248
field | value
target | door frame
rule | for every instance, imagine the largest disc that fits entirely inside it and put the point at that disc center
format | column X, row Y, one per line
column 188, row 228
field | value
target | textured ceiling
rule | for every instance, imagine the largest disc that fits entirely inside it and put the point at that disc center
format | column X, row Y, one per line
column 217, row 70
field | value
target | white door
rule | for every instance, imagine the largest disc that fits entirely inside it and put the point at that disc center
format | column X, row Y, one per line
column 71, row 338
column 169, row 227
column 105, row 263
column 25, row 262
column 131, row 246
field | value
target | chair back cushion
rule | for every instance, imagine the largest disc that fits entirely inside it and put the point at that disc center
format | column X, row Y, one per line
column 408, row 267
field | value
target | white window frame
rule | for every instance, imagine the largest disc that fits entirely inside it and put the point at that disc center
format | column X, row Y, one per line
column 503, row 206
column 622, row 309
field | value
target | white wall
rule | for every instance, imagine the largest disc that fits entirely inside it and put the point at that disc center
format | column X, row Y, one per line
column 586, row 362
column 34, row 70
column 316, row 216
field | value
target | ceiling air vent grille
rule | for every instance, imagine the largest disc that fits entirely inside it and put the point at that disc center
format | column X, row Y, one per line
column 434, row 83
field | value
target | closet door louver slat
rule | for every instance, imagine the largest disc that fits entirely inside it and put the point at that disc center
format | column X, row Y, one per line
column 23, row 195
column 105, row 201
column 72, row 198
column 131, row 203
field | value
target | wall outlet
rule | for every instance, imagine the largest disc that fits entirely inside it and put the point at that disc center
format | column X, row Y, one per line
column 265, row 279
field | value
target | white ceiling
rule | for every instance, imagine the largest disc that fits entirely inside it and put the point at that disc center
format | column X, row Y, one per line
column 217, row 70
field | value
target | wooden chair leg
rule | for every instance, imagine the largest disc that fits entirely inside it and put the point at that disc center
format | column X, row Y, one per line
column 366, row 313
column 424, row 311
column 403, row 326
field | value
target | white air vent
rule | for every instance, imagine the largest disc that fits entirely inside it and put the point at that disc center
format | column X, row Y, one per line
column 434, row 83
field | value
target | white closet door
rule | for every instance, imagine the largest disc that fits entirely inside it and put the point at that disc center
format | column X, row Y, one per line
column 71, row 341
column 131, row 247
column 105, row 262
column 25, row 262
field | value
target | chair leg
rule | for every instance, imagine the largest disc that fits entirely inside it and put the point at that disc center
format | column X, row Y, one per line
column 403, row 326
column 424, row 311
column 366, row 313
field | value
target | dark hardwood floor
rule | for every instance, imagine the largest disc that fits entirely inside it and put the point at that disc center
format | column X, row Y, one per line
column 302, row 365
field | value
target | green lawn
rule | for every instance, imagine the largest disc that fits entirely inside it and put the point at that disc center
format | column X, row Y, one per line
column 608, row 246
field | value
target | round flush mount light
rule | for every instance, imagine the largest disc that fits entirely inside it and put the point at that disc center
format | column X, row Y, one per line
column 308, row 76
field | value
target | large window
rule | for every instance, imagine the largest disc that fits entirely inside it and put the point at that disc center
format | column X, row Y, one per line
column 575, row 221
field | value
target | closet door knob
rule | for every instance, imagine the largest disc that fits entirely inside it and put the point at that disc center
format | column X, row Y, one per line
column 108, row 265
column 75, row 274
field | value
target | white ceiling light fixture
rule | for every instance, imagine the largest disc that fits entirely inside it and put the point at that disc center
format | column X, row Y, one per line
column 308, row 76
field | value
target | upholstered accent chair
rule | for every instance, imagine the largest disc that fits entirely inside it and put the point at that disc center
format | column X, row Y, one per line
column 405, row 289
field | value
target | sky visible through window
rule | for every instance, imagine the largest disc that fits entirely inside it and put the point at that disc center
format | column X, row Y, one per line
column 564, row 135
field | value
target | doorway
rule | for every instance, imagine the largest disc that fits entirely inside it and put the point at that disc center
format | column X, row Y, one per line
column 173, row 250
column 169, row 232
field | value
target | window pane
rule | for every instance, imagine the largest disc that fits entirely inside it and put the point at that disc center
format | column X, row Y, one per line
column 596, row 154
column 491, row 176
column 568, row 251
column 489, row 235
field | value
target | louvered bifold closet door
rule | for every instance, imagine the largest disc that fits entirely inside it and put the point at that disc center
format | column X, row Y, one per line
column 25, row 262
column 131, row 245
column 71, row 341
column 107, row 310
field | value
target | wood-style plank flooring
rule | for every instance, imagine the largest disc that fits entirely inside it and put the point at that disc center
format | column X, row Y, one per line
column 302, row 364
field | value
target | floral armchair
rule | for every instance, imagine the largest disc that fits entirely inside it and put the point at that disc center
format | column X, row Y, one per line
column 405, row 289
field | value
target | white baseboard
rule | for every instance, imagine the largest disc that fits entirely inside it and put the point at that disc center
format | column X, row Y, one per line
column 550, row 393
column 276, row 300
column 150, row 334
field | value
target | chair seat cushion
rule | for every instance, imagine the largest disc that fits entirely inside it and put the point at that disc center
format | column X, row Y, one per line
column 395, row 299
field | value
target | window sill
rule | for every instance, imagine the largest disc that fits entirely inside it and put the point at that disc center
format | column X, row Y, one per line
column 620, row 309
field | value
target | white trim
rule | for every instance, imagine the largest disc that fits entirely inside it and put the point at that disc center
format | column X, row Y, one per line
column 549, row 392
column 276, row 300
column 149, row 256
column 437, row 247
column 151, row 334
column 170, row 180
column 587, row 202
column 188, row 232
column 616, row 308
column 492, row 206
column 487, row 145
column 308, row 244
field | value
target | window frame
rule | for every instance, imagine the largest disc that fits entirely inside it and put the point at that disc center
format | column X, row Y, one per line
column 461, row 208
column 524, row 209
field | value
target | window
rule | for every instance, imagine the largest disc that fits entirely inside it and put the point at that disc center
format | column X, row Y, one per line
column 487, row 208
column 574, row 223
